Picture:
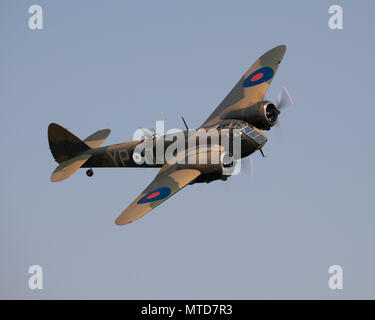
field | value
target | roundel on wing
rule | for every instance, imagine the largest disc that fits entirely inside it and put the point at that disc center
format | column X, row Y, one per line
column 154, row 195
column 259, row 76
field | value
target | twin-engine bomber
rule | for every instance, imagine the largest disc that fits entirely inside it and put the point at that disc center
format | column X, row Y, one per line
column 243, row 111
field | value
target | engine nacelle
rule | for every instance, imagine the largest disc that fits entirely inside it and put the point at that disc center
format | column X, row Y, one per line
column 219, row 171
column 262, row 115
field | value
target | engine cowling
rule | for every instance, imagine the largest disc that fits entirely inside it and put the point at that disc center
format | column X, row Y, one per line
column 263, row 115
column 219, row 171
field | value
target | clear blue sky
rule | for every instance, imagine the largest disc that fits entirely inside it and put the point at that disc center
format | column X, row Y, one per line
column 125, row 64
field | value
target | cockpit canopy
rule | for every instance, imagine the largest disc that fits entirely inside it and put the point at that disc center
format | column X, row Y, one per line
column 253, row 134
column 246, row 129
column 232, row 124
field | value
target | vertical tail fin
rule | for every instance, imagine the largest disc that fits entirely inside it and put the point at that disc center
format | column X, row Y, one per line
column 64, row 145
column 70, row 151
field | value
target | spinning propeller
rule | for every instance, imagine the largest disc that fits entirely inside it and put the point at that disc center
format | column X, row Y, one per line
column 284, row 99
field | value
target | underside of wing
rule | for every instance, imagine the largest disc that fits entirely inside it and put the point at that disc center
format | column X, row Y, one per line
column 251, row 88
column 169, row 180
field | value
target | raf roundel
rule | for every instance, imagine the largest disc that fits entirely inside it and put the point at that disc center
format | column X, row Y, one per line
column 257, row 77
column 154, row 195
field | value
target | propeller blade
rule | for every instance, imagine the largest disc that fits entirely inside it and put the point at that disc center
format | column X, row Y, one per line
column 147, row 133
column 284, row 98
column 247, row 166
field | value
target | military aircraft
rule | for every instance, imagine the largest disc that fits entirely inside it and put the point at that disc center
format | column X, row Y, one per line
column 243, row 108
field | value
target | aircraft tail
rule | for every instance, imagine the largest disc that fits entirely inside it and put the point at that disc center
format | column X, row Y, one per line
column 70, row 151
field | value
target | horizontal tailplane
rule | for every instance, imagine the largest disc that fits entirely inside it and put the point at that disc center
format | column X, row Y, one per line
column 67, row 168
column 70, row 151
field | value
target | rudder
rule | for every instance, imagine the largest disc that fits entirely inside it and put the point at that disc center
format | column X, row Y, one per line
column 70, row 151
column 64, row 145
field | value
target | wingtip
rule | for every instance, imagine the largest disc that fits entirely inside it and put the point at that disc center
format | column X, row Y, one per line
column 278, row 51
column 118, row 222
column 281, row 48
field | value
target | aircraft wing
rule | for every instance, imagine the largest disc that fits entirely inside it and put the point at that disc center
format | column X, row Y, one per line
column 252, row 87
column 170, row 179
